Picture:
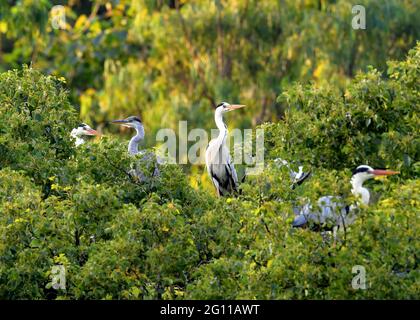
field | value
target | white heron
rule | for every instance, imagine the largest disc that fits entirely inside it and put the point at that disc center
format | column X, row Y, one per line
column 331, row 213
column 148, row 158
column 81, row 131
column 218, row 161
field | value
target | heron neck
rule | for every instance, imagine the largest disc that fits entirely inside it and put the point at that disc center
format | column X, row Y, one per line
column 359, row 190
column 218, row 118
column 133, row 146
column 79, row 141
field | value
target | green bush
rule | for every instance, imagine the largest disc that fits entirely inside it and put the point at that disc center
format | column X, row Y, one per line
column 120, row 239
column 375, row 121
column 35, row 118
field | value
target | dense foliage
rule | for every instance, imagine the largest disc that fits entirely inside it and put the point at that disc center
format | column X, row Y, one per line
column 120, row 239
column 375, row 121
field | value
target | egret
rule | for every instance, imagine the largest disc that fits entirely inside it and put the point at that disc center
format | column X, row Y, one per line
column 148, row 158
column 80, row 132
column 218, row 161
column 331, row 211
column 298, row 177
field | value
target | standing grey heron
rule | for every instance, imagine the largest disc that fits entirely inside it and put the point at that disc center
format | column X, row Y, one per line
column 218, row 162
column 331, row 213
column 148, row 158
column 80, row 132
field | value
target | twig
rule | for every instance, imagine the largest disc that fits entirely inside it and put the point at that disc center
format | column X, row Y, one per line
column 118, row 168
column 266, row 226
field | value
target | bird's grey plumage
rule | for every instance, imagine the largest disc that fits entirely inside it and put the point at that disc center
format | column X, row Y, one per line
column 222, row 172
column 145, row 167
column 297, row 177
column 133, row 145
column 331, row 210
column 300, row 178
column 219, row 164
column 148, row 163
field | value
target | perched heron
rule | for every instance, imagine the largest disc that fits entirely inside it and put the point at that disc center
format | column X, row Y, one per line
column 298, row 177
column 148, row 158
column 219, row 164
column 81, row 131
column 331, row 212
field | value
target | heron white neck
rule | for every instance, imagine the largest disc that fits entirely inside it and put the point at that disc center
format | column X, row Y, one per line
column 78, row 140
column 218, row 118
column 359, row 190
column 133, row 146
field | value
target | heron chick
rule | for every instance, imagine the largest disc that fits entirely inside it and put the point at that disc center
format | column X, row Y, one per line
column 80, row 132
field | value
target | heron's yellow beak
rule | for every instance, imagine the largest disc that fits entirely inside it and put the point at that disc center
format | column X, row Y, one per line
column 119, row 121
column 123, row 122
column 235, row 106
column 382, row 174
column 378, row 172
column 92, row 132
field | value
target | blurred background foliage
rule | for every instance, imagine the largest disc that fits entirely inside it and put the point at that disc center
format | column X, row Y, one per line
column 357, row 102
column 170, row 60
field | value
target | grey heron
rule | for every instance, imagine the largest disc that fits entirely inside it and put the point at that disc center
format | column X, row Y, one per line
column 148, row 158
column 297, row 177
column 331, row 211
column 80, row 132
column 218, row 161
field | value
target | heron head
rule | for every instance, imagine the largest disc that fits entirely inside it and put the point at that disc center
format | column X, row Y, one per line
column 226, row 107
column 83, row 130
column 130, row 122
column 365, row 172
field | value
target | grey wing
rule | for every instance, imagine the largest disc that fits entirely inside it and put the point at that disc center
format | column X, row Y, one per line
column 328, row 211
column 221, row 169
column 223, row 177
column 305, row 215
column 300, row 221
column 299, row 179
column 232, row 174
column 145, row 167
column 330, row 207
